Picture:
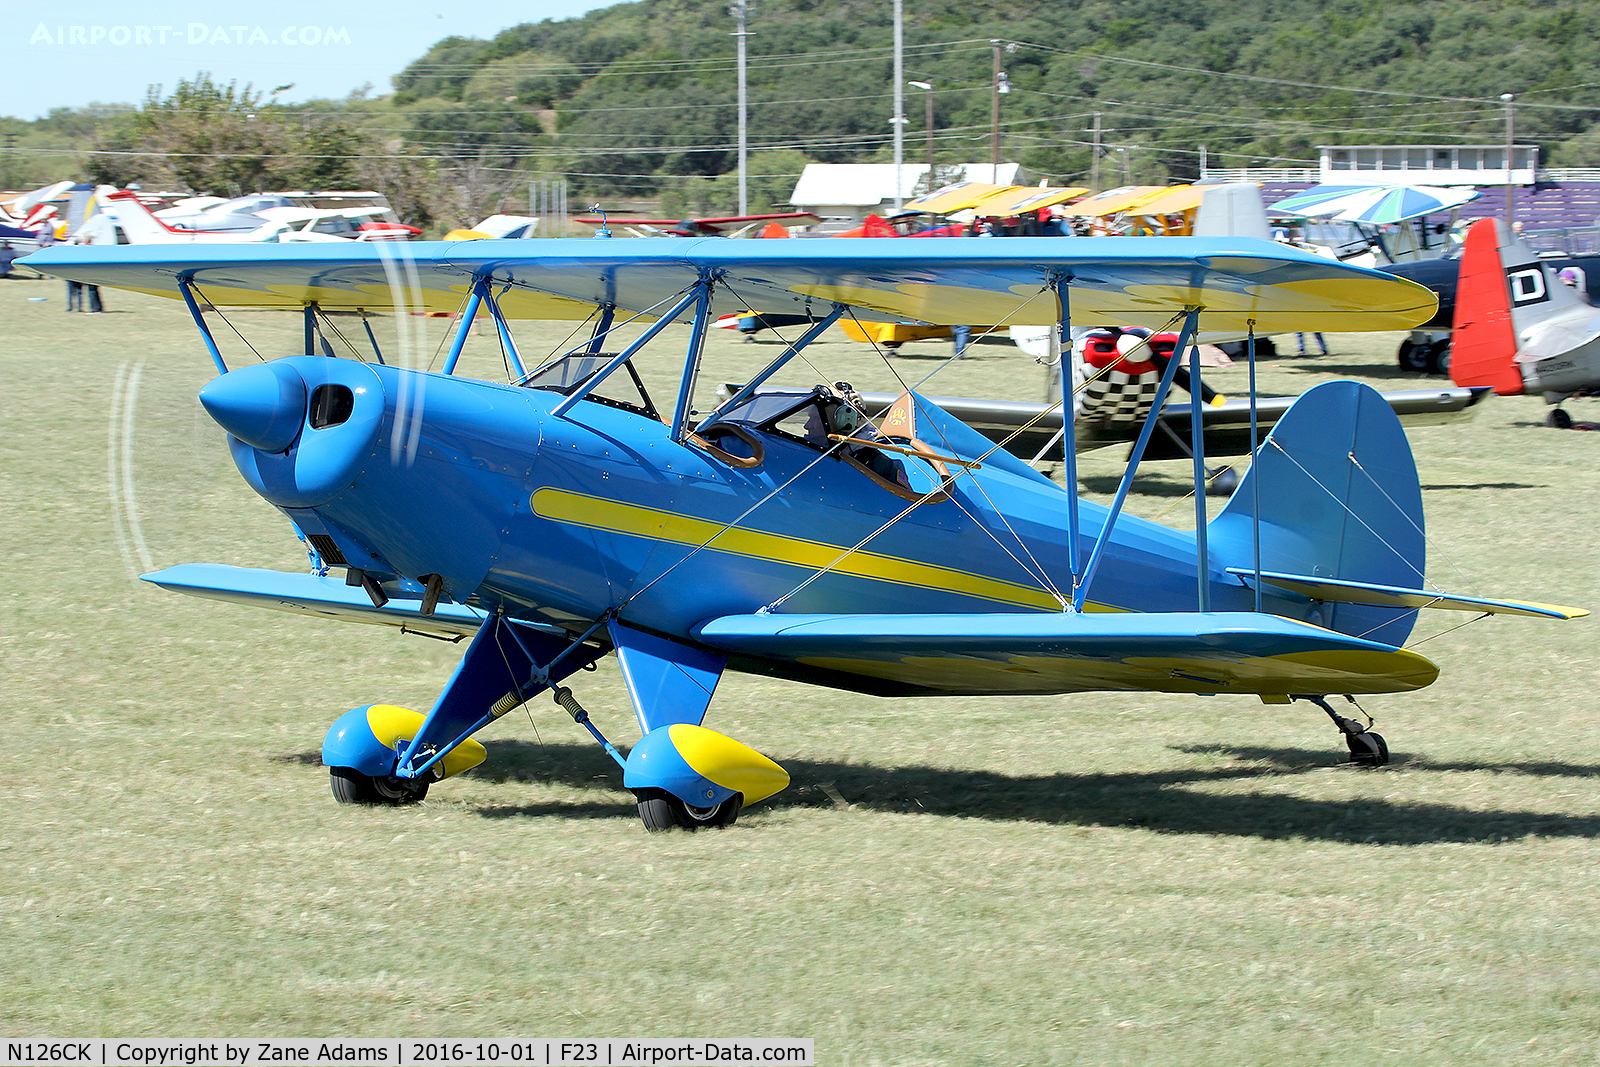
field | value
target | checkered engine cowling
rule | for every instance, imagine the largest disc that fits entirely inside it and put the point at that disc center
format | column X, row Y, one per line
column 1119, row 397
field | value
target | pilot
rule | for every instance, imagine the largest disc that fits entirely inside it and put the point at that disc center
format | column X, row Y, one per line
column 1573, row 276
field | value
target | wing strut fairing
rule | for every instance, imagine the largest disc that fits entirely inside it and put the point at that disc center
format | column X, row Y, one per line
column 777, row 535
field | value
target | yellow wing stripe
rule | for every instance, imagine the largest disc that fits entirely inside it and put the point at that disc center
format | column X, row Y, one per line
column 615, row 517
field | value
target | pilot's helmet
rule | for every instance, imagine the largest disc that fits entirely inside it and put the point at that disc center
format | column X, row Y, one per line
column 1570, row 276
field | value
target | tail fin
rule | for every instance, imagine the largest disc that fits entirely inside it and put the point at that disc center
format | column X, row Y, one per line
column 1232, row 210
column 1483, row 346
column 136, row 220
column 1339, row 498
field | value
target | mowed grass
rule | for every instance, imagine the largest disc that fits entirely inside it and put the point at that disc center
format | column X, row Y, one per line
column 1089, row 879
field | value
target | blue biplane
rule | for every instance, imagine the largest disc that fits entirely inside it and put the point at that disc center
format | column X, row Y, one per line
column 563, row 515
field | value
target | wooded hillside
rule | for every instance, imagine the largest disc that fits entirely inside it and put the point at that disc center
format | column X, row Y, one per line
column 638, row 99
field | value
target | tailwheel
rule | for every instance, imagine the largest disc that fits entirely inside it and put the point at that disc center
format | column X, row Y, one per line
column 1367, row 748
column 352, row 787
column 660, row 810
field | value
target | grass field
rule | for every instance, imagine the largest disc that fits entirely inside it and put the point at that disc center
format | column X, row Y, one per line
column 1093, row 879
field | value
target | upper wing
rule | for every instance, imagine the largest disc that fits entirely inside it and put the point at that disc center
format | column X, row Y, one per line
column 1216, row 652
column 1135, row 280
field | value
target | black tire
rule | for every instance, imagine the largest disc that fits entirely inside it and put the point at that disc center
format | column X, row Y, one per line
column 659, row 810
column 1558, row 419
column 352, row 787
column 1367, row 749
column 1417, row 357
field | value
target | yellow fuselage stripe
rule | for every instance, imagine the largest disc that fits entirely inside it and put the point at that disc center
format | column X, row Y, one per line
column 615, row 517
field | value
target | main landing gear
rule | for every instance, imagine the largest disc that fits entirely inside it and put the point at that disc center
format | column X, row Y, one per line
column 684, row 775
column 1367, row 749
column 1425, row 357
column 660, row 809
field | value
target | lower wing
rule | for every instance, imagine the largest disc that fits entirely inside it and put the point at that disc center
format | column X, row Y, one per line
column 1214, row 652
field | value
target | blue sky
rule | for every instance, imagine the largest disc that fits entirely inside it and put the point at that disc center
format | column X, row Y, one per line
column 71, row 54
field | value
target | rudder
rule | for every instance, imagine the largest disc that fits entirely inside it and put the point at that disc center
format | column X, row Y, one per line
column 1483, row 339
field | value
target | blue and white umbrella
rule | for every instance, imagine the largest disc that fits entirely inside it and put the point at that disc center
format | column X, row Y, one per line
column 1391, row 204
column 1318, row 200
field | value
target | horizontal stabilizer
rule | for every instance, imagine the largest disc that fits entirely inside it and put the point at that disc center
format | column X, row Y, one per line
column 1028, row 426
column 1393, row 596
column 1213, row 652
column 310, row 594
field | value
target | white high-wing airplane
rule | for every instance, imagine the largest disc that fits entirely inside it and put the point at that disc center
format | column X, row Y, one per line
column 124, row 219
column 336, row 224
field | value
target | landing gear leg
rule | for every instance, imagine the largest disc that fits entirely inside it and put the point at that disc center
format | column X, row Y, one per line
column 1367, row 749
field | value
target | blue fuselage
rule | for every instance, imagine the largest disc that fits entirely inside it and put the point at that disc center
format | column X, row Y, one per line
column 560, row 518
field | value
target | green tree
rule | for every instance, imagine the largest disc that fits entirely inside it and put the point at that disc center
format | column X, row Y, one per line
column 207, row 136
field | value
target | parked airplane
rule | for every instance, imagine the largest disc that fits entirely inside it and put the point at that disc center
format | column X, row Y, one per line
column 123, row 218
column 728, row 226
column 564, row 515
column 497, row 225
column 1427, row 348
column 243, row 214
column 1521, row 325
column 32, row 210
column 213, row 214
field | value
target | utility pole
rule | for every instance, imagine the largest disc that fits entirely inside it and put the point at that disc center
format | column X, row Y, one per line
column 994, row 115
column 899, row 120
column 1510, row 204
column 1202, row 161
column 1094, row 158
column 738, row 12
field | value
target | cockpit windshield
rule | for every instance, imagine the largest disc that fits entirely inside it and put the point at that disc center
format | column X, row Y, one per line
column 566, row 374
column 764, row 407
column 814, row 416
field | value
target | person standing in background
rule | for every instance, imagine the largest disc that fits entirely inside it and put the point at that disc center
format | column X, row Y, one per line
column 76, row 290
column 1300, row 339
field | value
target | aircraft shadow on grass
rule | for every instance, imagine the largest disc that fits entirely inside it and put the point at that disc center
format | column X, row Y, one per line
column 1144, row 486
column 1162, row 801
column 1362, row 370
column 1486, row 485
